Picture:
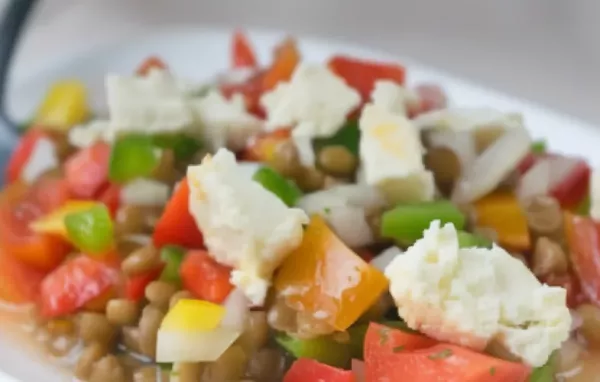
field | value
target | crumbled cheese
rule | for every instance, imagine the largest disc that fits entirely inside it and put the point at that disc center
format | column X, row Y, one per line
column 391, row 156
column 226, row 122
column 345, row 209
column 393, row 97
column 595, row 195
column 145, row 192
column 244, row 225
column 468, row 119
column 315, row 102
column 472, row 296
column 43, row 158
column 86, row 135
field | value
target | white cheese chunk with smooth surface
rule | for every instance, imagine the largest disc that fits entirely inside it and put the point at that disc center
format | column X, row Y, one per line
column 145, row 192
column 244, row 225
column 226, row 122
column 393, row 97
column 314, row 103
column 472, row 296
column 468, row 119
column 391, row 156
column 595, row 194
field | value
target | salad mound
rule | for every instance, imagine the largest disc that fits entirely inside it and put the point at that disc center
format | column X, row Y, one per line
column 298, row 222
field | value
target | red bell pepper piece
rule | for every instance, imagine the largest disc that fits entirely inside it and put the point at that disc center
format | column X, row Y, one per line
column 242, row 54
column 574, row 187
column 135, row 286
column 152, row 62
column 19, row 283
column 111, row 198
column 176, row 226
column 393, row 355
column 287, row 57
column 306, row 369
column 74, row 284
column 583, row 237
column 204, row 277
column 22, row 153
column 87, row 170
column 362, row 74
column 19, row 207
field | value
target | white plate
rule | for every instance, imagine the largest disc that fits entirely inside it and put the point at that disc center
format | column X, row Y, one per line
column 199, row 54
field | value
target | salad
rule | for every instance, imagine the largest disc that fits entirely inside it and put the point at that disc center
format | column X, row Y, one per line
column 293, row 222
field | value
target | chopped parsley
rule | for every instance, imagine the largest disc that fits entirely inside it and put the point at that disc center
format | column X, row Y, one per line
column 441, row 354
column 384, row 335
column 398, row 349
column 327, row 210
column 492, row 371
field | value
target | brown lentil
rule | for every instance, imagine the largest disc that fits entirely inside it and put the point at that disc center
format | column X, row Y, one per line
column 182, row 294
column 548, row 257
column 310, row 179
column 94, row 327
column 164, row 171
column 266, row 365
column 230, row 366
column 130, row 336
column 149, row 324
column 148, row 374
column 331, row 182
column 590, row 326
column 142, row 260
column 92, row 353
column 131, row 219
column 337, row 160
column 281, row 317
column 60, row 327
column 445, row 165
column 190, row 371
column 286, row 159
column 122, row 312
column 159, row 293
column 256, row 332
column 544, row 218
column 108, row 369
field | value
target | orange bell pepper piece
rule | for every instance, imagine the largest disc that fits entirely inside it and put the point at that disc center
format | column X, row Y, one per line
column 242, row 53
column 286, row 59
column 502, row 212
column 325, row 276
column 261, row 148
column 19, row 282
column 150, row 63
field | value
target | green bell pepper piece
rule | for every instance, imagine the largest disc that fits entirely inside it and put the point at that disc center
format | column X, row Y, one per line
column 406, row 222
column 132, row 156
column 544, row 373
column 184, row 147
column 469, row 240
column 348, row 136
column 539, row 147
column 172, row 256
column 285, row 189
column 323, row 349
column 91, row 231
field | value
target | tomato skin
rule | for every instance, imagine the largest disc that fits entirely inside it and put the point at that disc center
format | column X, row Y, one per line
column 176, row 226
column 75, row 283
column 570, row 282
column 19, row 283
column 20, row 156
column 86, row 171
column 204, row 277
column 152, row 62
column 111, row 198
column 242, row 54
column 287, row 58
column 306, row 369
column 135, row 286
column 573, row 188
column 362, row 75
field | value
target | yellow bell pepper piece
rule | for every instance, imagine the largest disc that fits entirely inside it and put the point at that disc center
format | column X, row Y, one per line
column 327, row 279
column 502, row 212
column 193, row 315
column 54, row 223
column 64, row 106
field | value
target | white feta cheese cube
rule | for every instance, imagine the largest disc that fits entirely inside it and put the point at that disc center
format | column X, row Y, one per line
column 393, row 97
column 472, row 296
column 391, row 155
column 244, row 225
column 314, row 103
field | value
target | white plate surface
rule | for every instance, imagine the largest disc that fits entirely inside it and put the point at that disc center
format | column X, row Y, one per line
column 200, row 53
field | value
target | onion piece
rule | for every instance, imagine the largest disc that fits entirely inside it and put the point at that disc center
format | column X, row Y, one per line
column 248, row 169
column 492, row 166
column 461, row 143
column 536, row 181
column 145, row 192
column 237, row 308
column 195, row 346
column 43, row 158
column 382, row 260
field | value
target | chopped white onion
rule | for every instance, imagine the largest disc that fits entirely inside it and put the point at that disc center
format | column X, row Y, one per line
column 461, row 143
column 306, row 153
column 536, row 180
column 42, row 158
column 492, row 166
column 145, row 192
column 200, row 346
column 576, row 320
column 237, row 307
column 249, row 168
column 382, row 260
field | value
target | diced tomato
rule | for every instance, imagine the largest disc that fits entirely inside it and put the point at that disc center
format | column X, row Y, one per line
column 527, row 163
column 111, row 198
column 569, row 281
column 381, row 338
column 583, row 237
column 362, row 74
column 176, row 226
column 287, row 57
column 251, row 89
column 19, row 283
column 75, row 283
column 87, row 170
column 135, row 286
column 309, row 370
column 242, row 54
column 98, row 304
column 574, row 187
column 19, row 207
column 204, row 277
column 358, row 369
column 20, row 156
column 152, row 62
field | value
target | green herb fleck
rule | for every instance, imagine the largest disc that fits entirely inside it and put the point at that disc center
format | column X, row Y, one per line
column 492, row 371
column 398, row 349
column 327, row 210
column 441, row 354
column 384, row 335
